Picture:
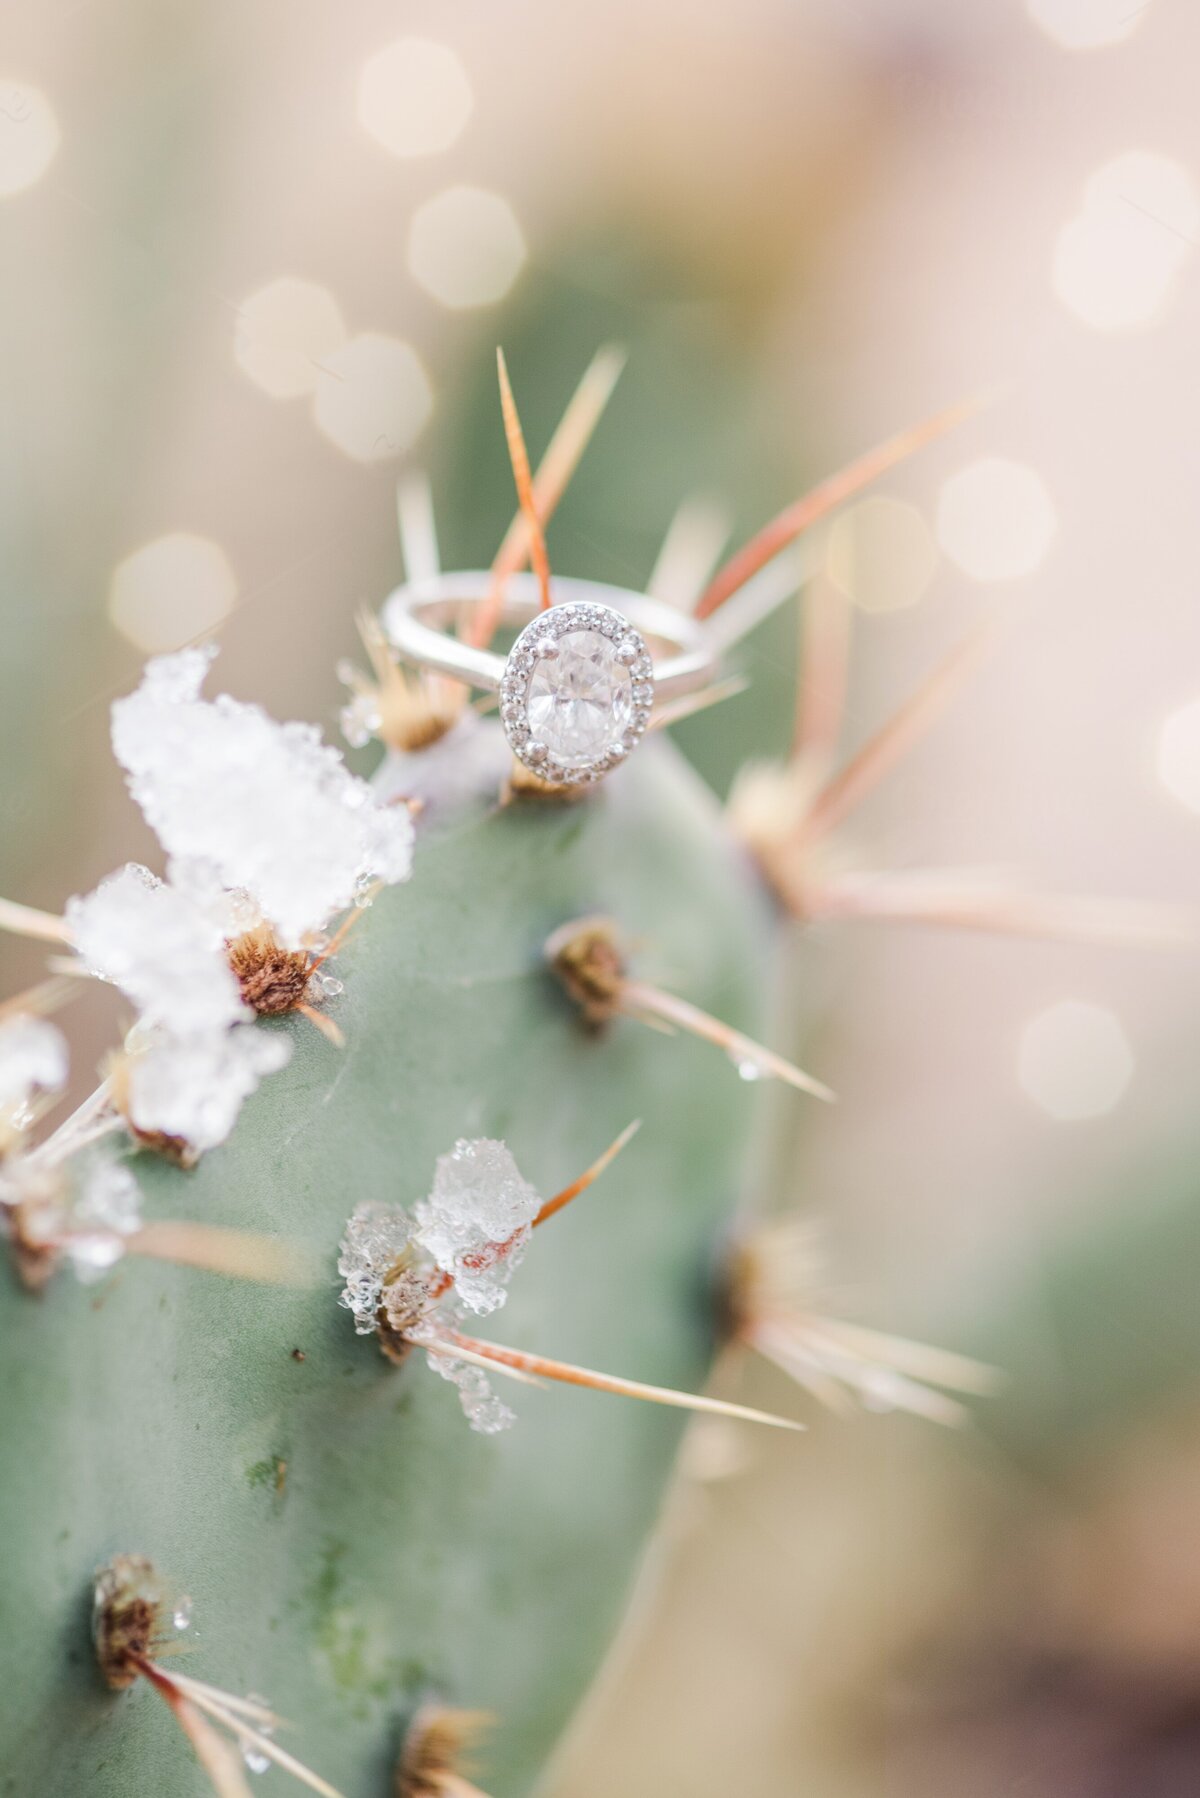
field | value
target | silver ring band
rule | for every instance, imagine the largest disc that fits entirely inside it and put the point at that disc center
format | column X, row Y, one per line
column 416, row 618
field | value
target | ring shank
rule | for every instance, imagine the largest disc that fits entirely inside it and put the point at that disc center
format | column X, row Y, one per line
column 417, row 618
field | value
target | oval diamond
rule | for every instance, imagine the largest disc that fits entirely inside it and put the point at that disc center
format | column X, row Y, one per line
column 583, row 706
column 580, row 702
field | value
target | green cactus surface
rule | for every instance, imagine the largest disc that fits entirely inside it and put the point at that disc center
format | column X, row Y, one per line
column 349, row 1544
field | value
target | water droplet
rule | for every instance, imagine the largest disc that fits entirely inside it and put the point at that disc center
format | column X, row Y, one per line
column 181, row 1616
column 747, row 1068
column 331, row 987
column 256, row 1761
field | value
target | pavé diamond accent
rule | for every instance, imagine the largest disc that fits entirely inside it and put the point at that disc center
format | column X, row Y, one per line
column 576, row 692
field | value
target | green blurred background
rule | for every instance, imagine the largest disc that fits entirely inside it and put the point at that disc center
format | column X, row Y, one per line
column 810, row 222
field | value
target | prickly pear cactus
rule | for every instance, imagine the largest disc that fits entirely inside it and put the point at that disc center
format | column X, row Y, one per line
column 348, row 1545
column 263, row 1490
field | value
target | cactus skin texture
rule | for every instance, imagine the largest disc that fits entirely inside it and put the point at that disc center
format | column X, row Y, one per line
column 350, row 1545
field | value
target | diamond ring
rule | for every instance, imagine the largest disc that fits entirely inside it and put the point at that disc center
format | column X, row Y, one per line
column 578, row 685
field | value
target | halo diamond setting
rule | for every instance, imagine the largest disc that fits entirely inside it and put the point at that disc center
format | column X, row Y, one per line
column 576, row 694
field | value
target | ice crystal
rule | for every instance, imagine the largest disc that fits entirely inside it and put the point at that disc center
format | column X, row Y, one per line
column 191, row 1060
column 476, row 1221
column 481, row 1408
column 107, row 1208
column 252, row 805
column 377, row 1241
column 360, row 718
column 154, row 943
column 192, row 1088
column 33, row 1058
column 471, row 1230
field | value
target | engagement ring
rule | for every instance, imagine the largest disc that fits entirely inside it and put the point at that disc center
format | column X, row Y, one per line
column 578, row 685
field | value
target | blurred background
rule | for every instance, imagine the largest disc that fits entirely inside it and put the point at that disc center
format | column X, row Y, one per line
column 256, row 261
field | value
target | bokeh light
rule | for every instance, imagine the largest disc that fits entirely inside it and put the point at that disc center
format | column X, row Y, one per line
column 881, row 554
column 414, row 97
column 1087, row 24
column 373, row 397
column 1179, row 755
column 171, row 590
column 1074, row 1060
column 285, row 330
column 995, row 519
column 29, row 136
column 465, row 247
column 1117, row 261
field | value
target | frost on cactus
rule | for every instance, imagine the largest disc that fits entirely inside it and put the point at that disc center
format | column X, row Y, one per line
column 86, row 1213
column 481, row 1408
column 409, row 1276
column 33, row 1059
column 34, row 1065
column 106, row 1211
column 471, row 1230
column 188, row 1090
column 476, row 1221
column 243, row 804
column 376, row 1255
column 84, row 1210
column 166, row 955
column 189, row 1063
column 69, row 1200
column 391, row 1288
column 33, row 1068
column 268, row 837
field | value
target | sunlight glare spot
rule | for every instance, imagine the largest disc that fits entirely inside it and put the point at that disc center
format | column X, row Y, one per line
column 1087, row 24
column 171, row 590
column 29, row 136
column 284, row 332
column 373, row 397
column 414, row 97
column 465, row 247
column 1074, row 1061
column 1179, row 755
column 995, row 519
column 881, row 554
column 1117, row 260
